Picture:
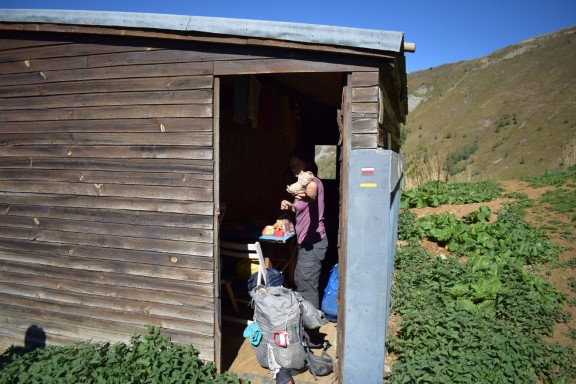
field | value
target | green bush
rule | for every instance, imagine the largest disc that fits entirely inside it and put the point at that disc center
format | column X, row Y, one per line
column 434, row 194
column 510, row 235
column 149, row 359
column 475, row 322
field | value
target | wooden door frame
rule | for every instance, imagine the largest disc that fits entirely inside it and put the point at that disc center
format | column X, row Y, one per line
column 345, row 117
column 216, row 224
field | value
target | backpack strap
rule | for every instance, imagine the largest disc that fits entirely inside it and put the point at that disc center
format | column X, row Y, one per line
column 262, row 273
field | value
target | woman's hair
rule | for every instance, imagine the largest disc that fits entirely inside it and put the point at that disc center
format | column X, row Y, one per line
column 306, row 157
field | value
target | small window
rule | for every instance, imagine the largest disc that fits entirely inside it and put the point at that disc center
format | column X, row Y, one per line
column 325, row 158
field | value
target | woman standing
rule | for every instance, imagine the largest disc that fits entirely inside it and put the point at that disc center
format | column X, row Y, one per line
column 308, row 206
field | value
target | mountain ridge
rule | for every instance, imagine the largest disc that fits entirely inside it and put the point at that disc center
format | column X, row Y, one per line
column 508, row 114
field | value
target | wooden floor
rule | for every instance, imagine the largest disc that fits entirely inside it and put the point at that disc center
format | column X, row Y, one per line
column 237, row 356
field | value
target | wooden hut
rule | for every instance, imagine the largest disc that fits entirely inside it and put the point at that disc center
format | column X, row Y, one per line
column 129, row 141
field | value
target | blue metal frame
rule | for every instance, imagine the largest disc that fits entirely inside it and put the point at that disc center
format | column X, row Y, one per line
column 374, row 184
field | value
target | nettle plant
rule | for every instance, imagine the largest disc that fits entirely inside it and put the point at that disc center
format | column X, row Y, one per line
column 434, row 194
column 478, row 315
column 151, row 358
column 476, row 322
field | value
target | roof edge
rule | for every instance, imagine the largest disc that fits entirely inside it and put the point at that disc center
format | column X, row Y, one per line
column 378, row 40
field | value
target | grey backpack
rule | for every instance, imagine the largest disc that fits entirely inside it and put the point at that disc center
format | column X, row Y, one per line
column 277, row 313
column 281, row 315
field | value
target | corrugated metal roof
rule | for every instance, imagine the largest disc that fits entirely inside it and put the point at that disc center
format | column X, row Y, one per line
column 305, row 33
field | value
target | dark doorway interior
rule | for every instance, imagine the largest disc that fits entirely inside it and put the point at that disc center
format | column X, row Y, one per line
column 293, row 111
column 255, row 138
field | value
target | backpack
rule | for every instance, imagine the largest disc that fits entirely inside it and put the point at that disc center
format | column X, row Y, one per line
column 277, row 314
column 281, row 315
column 274, row 278
column 319, row 365
column 330, row 298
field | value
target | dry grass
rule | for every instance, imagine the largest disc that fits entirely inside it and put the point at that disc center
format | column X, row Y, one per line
column 420, row 172
column 569, row 153
column 522, row 122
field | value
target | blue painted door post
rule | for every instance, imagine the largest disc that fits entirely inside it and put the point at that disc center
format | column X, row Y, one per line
column 374, row 184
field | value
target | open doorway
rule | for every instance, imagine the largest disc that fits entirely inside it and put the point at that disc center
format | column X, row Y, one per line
column 262, row 118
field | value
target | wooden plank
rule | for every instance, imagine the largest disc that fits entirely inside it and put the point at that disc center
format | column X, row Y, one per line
column 364, row 126
column 35, row 66
column 197, row 248
column 200, row 168
column 347, row 147
column 98, row 228
column 65, row 273
column 217, row 217
column 241, row 67
column 19, row 40
column 362, row 108
column 201, row 96
column 194, row 276
column 190, row 55
column 138, row 305
column 111, row 125
column 365, row 94
column 158, row 138
column 85, row 327
column 73, row 56
column 364, row 141
column 39, row 156
column 109, row 190
column 164, row 83
column 109, row 216
column 115, row 112
column 117, row 72
column 73, row 50
column 54, row 200
column 395, row 90
column 364, row 79
column 79, row 290
column 8, row 302
column 194, row 180
column 17, row 320
column 145, row 257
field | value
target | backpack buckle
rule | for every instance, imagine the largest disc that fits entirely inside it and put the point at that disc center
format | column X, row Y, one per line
column 280, row 338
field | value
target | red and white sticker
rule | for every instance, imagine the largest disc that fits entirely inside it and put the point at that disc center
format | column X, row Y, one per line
column 367, row 171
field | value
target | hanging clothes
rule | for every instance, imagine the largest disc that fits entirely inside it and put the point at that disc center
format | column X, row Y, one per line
column 254, row 100
column 241, row 84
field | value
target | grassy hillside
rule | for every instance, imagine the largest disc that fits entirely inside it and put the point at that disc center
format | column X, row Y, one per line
column 506, row 115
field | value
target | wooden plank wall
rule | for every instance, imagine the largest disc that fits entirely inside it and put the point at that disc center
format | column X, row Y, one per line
column 364, row 110
column 106, row 189
column 370, row 99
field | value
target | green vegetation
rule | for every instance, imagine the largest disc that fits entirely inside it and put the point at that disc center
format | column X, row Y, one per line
column 505, row 120
column 434, row 194
column 510, row 235
column 447, row 337
column 457, row 162
column 149, row 359
column 477, row 315
column 404, row 132
column 555, row 178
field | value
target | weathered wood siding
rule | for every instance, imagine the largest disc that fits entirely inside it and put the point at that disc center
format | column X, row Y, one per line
column 374, row 122
column 107, row 175
column 106, row 189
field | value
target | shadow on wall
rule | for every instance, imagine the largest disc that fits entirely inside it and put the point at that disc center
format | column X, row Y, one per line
column 34, row 338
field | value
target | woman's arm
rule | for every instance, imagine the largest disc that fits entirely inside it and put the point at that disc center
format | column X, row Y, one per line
column 285, row 205
column 308, row 194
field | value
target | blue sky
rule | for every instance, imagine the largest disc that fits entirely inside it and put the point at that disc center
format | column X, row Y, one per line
column 445, row 31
